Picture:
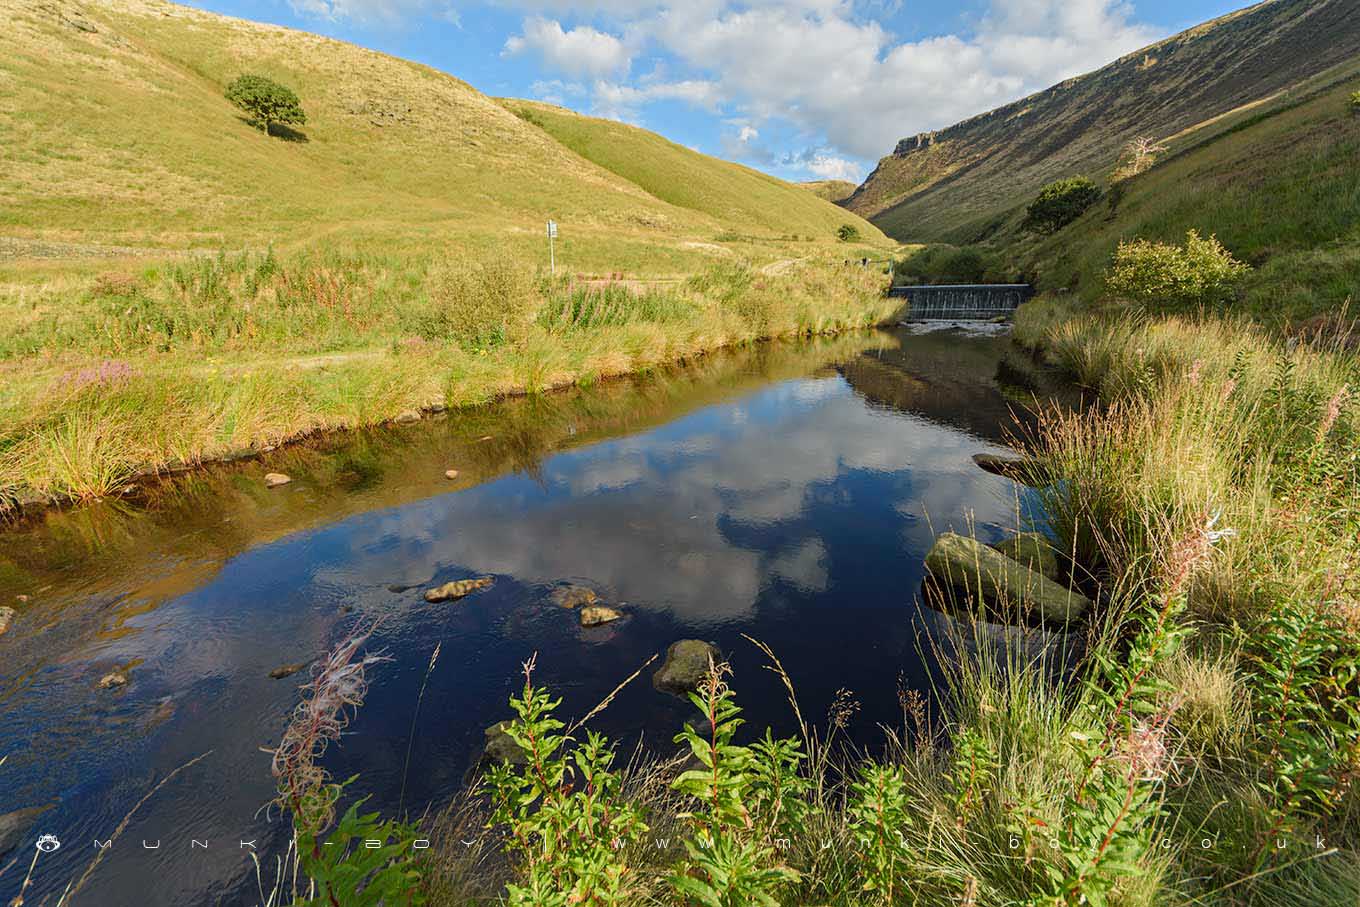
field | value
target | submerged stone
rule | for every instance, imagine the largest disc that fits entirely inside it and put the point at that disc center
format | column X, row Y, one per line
column 571, row 595
column 7, row 616
column 14, row 825
column 275, row 479
column 287, row 670
column 956, row 561
column 450, row 474
column 501, row 747
column 687, row 663
column 594, row 615
column 114, row 679
column 1034, row 550
column 457, row 589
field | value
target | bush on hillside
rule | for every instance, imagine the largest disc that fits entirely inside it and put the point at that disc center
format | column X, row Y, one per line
column 1355, row 102
column 950, row 264
column 1059, row 203
column 265, row 102
column 848, row 233
column 1200, row 272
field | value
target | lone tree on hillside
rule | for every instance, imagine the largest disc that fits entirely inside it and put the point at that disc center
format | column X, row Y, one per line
column 1059, row 203
column 266, row 102
column 848, row 233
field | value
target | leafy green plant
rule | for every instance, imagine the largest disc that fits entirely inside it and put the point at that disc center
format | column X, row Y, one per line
column 266, row 102
column 738, row 795
column 1201, row 271
column 1059, row 203
column 847, row 233
column 972, row 769
column 878, row 813
column 1355, row 102
column 563, row 811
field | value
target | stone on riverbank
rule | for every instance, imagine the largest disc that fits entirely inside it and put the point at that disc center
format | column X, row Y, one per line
column 594, row 615
column 1025, row 470
column 966, row 563
column 687, row 663
column 407, row 417
column 571, row 595
column 450, row 474
column 501, row 747
column 114, row 679
column 275, row 479
column 1034, row 550
column 7, row 616
column 457, row 589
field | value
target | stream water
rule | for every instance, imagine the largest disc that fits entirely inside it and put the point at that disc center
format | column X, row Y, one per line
column 787, row 491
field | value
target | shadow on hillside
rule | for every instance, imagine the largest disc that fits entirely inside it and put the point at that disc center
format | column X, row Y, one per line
column 280, row 131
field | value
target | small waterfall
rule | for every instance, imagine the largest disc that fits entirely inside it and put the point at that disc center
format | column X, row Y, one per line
column 961, row 302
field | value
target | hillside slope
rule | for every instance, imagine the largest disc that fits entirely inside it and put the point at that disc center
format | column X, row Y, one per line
column 728, row 192
column 831, row 190
column 117, row 134
column 961, row 183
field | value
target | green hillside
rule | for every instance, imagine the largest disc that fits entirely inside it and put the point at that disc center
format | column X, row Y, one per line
column 1278, row 185
column 728, row 192
column 831, row 190
column 965, row 182
column 117, row 134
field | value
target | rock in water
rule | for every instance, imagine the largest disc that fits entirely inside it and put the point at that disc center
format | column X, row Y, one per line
column 594, row 615
column 450, row 474
column 457, row 589
column 574, row 596
column 287, row 670
column 966, row 563
column 501, row 747
column 1034, row 550
column 115, row 679
column 275, row 479
column 687, row 663
column 1025, row 470
column 407, row 417
column 14, row 825
column 7, row 616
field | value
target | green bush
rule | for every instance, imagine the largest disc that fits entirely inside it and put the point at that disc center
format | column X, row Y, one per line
column 1059, row 203
column 950, row 264
column 1201, row 271
column 266, row 102
column 1355, row 102
column 478, row 304
column 848, row 233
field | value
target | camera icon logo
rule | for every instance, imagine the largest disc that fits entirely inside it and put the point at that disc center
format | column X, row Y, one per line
column 48, row 843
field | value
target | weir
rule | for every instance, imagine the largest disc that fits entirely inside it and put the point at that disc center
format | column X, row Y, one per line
column 961, row 302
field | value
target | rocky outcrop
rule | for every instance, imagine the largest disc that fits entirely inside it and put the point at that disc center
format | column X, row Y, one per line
column 457, row 589
column 957, row 562
column 687, row 663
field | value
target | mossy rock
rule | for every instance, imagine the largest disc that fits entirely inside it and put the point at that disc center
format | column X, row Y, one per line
column 1006, row 586
column 1035, row 551
column 687, row 663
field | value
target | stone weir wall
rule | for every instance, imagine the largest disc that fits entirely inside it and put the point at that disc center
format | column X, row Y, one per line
column 961, row 302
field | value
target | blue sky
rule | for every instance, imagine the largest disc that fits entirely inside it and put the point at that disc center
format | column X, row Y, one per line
column 804, row 89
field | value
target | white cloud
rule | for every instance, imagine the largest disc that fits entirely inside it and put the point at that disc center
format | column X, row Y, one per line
column 830, row 167
column 582, row 51
column 621, row 101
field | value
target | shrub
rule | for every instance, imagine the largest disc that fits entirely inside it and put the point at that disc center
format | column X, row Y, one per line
column 1355, row 102
column 478, row 304
column 1201, row 271
column 1139, row 156
column 266, row 102
column 1059, row 203
column 947, row 264
column 848, row 233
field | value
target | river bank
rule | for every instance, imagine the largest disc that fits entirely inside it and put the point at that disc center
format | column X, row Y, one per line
column 224, row 358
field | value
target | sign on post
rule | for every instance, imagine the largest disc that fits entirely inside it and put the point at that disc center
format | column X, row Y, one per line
column 552, row 255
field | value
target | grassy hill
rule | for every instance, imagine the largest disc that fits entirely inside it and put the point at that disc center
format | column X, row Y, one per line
column 735, row 195
column 965, row 182
column 1278, row 185
column 831, row 190
column 117, row 135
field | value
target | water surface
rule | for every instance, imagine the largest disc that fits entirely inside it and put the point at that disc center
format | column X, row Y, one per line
column 788, row 492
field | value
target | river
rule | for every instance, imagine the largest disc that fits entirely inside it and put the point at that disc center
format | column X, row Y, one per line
column 784, row 491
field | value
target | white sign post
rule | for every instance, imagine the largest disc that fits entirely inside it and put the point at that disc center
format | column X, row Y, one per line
column 552, row 254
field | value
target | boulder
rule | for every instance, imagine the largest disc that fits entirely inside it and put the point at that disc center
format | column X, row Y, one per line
column 288, row 670
column 450, row 474
column 1003, row 645
column 965, row 563
column 570, row 595
column 687, row 663
column 501, row 747
column 111, row 680
column 1025, row 470
column 407, row 417
column 7, row 616
column 457, row 589
column 1034, row 550
column 275, row 479
column 14, row 825
column 594, row 615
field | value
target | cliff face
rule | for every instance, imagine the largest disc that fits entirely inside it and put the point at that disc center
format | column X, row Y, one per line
column 963, row 181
